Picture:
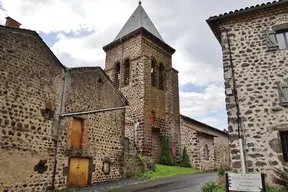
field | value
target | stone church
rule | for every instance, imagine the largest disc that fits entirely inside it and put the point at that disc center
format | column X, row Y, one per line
column 254, row 44
column 74, row 127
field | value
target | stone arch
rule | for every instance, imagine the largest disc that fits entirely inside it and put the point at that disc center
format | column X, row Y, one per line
column 126, row 71
column 117, row 76
column 161, row 76
column 206, row 152
column 153, row 71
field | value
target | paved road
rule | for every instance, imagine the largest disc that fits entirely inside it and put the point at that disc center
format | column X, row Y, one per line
column 183, row 183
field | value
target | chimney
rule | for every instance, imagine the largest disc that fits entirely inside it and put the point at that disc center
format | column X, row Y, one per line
column 12, row 23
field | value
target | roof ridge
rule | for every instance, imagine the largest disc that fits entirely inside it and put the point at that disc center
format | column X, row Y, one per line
column 138, row 19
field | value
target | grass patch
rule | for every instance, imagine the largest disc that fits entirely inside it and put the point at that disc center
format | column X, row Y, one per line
column 167, row 171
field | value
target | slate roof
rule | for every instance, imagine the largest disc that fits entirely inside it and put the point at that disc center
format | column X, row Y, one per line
column 138, row 19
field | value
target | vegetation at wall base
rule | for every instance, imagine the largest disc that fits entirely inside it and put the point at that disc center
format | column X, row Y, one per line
column 213, row 186
column 166, row 171
column 185, row 159
column 166, row 156
column 280, row 176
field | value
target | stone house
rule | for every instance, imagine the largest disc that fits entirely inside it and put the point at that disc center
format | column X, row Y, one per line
column 207, row 147
column 254, row 43
column 46, row 107
column 139, row 62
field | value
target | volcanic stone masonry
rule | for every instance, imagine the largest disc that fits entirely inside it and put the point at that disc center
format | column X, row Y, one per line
column 258, row 69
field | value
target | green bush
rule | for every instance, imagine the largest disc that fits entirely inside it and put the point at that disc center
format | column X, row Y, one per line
column 270, row 188
column 166, row 157
column 280, row 177
column 221, row 171
column 212, row 186
column 185, row 159
column 178, row 160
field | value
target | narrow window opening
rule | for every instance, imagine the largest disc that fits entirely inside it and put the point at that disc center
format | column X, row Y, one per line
column 284, row 142
column 126, row 145
column 117, row 75
column 126, row 72
column 206, row 152
column 161, row 76
column 153, row 73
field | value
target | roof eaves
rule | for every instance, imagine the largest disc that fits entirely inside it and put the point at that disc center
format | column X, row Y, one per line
column 213, row 20
column 213, row 128
column 134, row 33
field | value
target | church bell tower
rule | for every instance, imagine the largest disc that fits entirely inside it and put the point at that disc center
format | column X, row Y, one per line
column 139, row 63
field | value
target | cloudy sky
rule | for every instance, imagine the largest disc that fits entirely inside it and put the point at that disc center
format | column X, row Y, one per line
column 76, row 31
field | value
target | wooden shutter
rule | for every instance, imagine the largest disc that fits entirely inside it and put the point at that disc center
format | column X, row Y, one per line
column 271, row 39
column 283, row 91
column 76, row 133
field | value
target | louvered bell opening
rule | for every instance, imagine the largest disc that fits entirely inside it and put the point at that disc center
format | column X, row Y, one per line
column 161, row 77
column 126, row 72
column 117, row 75
column 153, row 74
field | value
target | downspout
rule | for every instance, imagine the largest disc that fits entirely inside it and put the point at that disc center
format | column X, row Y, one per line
column 61, row 111
column 238, row 114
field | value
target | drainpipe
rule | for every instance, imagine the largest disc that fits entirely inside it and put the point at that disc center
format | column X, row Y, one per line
column 61, row 111
column 238, row 114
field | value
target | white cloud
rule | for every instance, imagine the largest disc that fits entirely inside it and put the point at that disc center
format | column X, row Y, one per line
column 211, row 100
column 67, row 16
column 214, row 122
column 181, row 24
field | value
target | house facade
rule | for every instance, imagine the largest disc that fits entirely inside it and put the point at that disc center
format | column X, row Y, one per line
column 139, row 62
column 207, row 147
column 254, row 43
column 55, row 122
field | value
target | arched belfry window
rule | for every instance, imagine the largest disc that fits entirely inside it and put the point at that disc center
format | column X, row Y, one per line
column 161, row 76
column 153, row 73
column 117, row 75
column 206, row 152
column 126, row 72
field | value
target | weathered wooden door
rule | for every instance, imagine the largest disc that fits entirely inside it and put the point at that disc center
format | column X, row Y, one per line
column 78, row 172
column 76, row 133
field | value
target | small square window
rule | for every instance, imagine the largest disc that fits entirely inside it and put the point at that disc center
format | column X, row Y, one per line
column 282, row 39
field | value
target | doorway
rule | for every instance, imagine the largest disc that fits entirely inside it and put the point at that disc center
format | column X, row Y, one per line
column 78, row 172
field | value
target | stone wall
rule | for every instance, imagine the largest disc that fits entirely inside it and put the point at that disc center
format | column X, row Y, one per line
column 209, row 163
column 189, row 140
column 194, row 136
column 30, row 77
column 257, row 74
column 31, row 82
column 89, row 89
column 222, row 152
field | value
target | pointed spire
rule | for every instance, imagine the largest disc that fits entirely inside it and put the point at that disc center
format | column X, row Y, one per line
column 138, row 19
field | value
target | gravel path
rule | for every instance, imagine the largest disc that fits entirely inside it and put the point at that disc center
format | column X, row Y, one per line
column 106, row 185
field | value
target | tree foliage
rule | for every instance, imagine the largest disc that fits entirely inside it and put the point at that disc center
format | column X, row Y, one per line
column 166, row 157
column 185, row 159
